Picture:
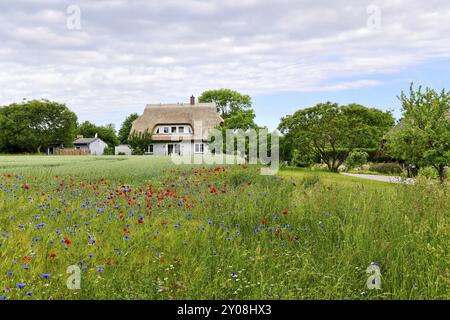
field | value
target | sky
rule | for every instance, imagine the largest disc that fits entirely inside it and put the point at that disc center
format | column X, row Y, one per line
column 106, row 59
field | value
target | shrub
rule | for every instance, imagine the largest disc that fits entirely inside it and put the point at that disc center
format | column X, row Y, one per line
column 109, row 151
column 356, row 159
column 300, row 159
column 428, row 172
column 386, row 168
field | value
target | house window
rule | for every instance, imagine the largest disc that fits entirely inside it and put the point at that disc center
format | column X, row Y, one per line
column 166, row 129
column 180, row 129
column 174, row 129
column 150, row 148
column 190, row 130
column 157, row 131
column 199, row 148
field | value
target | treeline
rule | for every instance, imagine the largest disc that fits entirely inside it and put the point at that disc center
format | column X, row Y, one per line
column 35, row 125
column 326, row 133
column 335, row 135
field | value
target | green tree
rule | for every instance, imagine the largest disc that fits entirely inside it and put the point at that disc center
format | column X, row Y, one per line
column 107, row 133
column 244, row 120
column 331, row 131
column 235, row 109
column 139, row 142
column 356, row 159
column 125, row 129
column 422, row 137
column 34, row 125
column 228, row 102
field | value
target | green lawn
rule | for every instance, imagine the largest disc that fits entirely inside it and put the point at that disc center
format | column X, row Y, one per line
column 332, row 178
column 144, row 228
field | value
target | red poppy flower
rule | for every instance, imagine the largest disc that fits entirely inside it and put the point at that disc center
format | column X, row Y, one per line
column 26, row 259
column 67, row 241
column 285, row 212
column 25, row 186
column 52, row 255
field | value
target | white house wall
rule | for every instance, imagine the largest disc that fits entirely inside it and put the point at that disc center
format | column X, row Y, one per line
column 186, row 147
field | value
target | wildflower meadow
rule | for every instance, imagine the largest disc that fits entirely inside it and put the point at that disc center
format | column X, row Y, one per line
column 144, row 228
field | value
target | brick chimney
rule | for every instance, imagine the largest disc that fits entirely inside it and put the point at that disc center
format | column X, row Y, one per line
column 192, row 100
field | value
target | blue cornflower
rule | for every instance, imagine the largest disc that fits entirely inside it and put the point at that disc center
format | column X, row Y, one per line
column 29, row 293
column 9, row 273
column 46, row 275
column 20, row 285
column 100, row 269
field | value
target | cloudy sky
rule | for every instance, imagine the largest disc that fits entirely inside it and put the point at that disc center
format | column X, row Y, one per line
column 287, row 54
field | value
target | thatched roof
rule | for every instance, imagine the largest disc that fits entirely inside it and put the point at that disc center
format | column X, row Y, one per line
column 170, row 114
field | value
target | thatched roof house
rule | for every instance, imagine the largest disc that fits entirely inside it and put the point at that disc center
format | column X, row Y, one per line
column 177, row 122
column 177, row 114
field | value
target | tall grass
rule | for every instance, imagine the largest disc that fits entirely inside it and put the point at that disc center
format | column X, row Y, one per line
column 237, row 235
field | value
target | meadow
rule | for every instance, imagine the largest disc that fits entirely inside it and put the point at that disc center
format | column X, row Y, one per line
column 143, row 228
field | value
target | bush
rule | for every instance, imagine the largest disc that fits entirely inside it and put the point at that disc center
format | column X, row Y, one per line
column 302, row 159
column 386, row 168
column 137, row 151
column 319, row 167
column 428, row 172
column 356, row 159
column 109, row 151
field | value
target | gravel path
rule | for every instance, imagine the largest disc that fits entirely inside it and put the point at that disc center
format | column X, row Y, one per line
column 391, row 179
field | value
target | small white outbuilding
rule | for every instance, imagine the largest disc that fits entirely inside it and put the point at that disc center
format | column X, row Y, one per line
column 123, row 149
column 96, row 146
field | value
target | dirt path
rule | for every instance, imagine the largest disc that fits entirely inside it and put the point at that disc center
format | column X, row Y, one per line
column 390, row 179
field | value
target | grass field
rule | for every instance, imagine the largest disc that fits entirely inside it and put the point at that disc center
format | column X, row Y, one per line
column 143, row 228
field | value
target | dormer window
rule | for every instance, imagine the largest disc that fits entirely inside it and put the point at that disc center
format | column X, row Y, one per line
column 173, row 129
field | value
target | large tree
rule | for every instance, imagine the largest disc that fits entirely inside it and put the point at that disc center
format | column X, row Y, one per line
column 139, row 142
column 423, row 135
column 229, row 102
column 331, row 131
column 125, row 129
column 34, row 125
column 107, row 133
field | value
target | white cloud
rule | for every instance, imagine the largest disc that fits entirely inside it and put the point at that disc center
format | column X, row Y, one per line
column 129, row 53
